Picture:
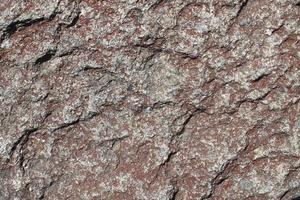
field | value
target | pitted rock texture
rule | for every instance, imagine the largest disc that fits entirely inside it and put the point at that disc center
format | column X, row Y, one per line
column 149, row 99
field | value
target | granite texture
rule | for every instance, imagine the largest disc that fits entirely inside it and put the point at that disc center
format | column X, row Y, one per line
column 149, row 99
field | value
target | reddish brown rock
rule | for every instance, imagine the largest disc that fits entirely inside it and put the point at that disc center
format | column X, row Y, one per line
column 156, row 99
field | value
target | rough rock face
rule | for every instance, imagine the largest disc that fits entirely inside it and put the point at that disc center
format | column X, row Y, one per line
column 149, row 99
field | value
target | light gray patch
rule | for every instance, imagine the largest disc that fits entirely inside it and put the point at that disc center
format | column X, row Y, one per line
column 201, row 28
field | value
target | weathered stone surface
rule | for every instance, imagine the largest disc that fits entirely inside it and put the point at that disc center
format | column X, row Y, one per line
column 149, row 99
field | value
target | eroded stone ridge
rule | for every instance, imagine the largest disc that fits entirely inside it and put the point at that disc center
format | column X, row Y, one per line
column 149, row 99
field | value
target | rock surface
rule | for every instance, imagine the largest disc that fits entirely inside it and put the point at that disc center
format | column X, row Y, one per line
column 149, row 99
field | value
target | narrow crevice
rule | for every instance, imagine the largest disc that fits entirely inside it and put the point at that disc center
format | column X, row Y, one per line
column 46, row 57
column 156, row 4
column 242, row 7
column 113, row 141
column 174, row 194
column 169, row 157
column 219, row 179
column 65, row 125
column 45, row 189
column 223, row 174
column 163, row 164
column 16, row 25
column 260, row 77
column 65, row 25
column 186, row 121
column 21, row 162
column 74, row 21
column 21, row 141
column 284, row 194
column 290, row 194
